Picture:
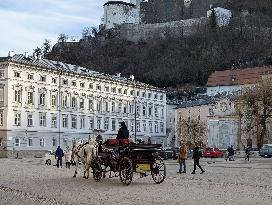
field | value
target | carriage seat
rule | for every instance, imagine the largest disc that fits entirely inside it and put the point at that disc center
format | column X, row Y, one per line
column 116, row 142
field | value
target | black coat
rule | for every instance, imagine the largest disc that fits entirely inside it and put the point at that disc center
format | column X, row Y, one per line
column 123, row 133
column 59, row 153
column 196, row 153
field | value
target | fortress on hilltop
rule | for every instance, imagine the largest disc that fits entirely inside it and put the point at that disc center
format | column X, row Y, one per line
column 142, row 19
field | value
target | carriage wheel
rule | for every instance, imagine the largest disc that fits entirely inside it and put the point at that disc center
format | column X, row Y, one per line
column 97, row 172
column 158, row 170
column 125, row 171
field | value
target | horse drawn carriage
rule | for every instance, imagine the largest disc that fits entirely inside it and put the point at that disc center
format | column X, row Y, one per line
column 123, row 159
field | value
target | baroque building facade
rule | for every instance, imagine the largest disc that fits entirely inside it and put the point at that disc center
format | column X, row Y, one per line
column 44, row 104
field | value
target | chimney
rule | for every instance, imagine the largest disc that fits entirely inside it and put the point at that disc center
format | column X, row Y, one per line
column 26, row 55
column 118, row 75
column 131, row 77
column 11, row 53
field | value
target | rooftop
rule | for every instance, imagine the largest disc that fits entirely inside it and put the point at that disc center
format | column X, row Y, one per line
column 118, row 3
column 56, row 65
column 237, row 77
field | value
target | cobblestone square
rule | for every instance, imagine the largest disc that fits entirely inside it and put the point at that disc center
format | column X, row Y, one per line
column 28, row 181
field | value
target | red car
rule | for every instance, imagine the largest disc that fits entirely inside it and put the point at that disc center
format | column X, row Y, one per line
column 212, row 152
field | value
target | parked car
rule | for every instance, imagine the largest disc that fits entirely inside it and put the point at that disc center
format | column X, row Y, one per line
column 49, row 158
column 266, row 150
column 175, row 153
column 213, row 152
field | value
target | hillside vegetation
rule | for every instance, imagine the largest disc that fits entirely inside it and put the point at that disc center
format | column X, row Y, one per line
column 175, row 62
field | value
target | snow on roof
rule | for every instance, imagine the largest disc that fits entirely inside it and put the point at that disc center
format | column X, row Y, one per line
column 56, row 65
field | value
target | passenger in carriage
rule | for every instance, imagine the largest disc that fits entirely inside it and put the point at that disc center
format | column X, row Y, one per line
column 123, row 132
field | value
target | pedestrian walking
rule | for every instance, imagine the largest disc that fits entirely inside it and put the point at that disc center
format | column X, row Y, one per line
column 67, row 157
column 183, row 154
column 247, row 153
column 59, row 154
column 196, row 156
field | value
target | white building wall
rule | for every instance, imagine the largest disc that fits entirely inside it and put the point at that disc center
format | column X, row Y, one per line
column 117, row 14
column 23, row 132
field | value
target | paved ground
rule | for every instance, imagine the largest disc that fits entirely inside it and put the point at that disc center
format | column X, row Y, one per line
column 28, row 182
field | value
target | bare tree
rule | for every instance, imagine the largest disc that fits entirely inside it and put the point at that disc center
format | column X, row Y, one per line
column 255, row 107
column 37, row 52
column 89, row 32
column 62, row 38
column 192, row 130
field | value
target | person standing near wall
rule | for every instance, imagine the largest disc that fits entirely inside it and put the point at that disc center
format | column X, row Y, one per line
column 196, row 157
column 182, row 158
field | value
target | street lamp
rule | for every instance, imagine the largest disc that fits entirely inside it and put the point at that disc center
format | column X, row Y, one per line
column 135, row 109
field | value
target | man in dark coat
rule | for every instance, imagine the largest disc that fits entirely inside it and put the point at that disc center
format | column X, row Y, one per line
column 196, row 157
column 123, row 132
column 59, row 154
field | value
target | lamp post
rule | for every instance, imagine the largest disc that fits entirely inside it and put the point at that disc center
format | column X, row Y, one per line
column 135, row 109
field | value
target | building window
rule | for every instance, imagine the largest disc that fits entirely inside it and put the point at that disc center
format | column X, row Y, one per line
column 161, row 97
column 99, row 106
column 17, row 142
column 42, row 142
column 106, row 104
column 150, row 127
column 106, row 124
column 138, row 93
column 125, row 108
column 54, row 80
column 74, row 121
column 54, row 142
column 107, row 89
column 131, row 109
column 150, row 111
column 143, row 94
column 125, row 92
column 64, row 121
column 73, row 102
column 42, row 98
column 156, row 112
column 91, row 123
column 162, row 112
column 98, row 87
column 82, row 85
column 156, row 127
column 113, row 90
column 65, row 82
column 29, row 120
column 17, row 74
column 113, row 124
column 149, row 95
column 53, row 100
column 132, row 125
column 30, row 142
column 17, row 119
column 162, row 126
column 1, row 95
column 138, row 126
column 18, row 95
column 91, row 86
column 138, row 110
column 144, row 126
column 64, row 100
column 156, row 96
column 30, row 77
column 1, row 118
column 43, row 78
column 119, row 107
column 120, row 90
column 54, row 121
column 30, row 98
column 2, row 74
column 81, row 103
column 113, row 107
column 144, row 110
column 90, row 104
column 98, row 124
column 42, row 119
column 82, row 122
column 74, row 83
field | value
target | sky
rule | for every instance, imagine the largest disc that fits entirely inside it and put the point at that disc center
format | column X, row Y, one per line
column 25, row 24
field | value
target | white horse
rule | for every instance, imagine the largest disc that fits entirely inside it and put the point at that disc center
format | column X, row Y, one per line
column 84, row 153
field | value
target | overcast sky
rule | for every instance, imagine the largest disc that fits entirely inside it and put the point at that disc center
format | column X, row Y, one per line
column 26, row 23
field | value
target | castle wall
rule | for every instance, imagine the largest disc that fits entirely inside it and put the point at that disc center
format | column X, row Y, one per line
column 160, row 11
column 148, row 31
column 117, row 14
